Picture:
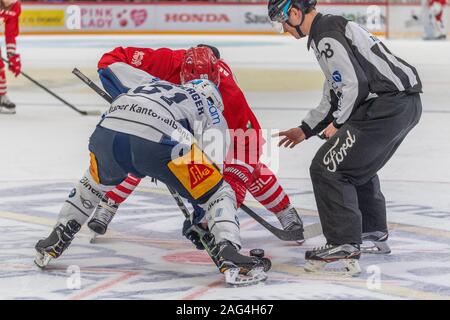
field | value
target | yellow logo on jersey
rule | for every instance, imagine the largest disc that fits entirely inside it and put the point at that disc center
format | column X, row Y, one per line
column 195, row 172
column 198, row 173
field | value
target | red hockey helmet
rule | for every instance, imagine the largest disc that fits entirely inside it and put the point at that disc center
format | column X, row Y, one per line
column 200, row 63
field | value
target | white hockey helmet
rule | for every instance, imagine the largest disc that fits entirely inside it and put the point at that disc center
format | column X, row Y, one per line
column 209, row 90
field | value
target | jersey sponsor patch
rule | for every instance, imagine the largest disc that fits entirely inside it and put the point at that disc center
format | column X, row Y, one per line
column 138, row 56
column 335, row 155
column 73, row 192
column 198, row 173
column 195, row 172
column 337, row 77
column 214, row 113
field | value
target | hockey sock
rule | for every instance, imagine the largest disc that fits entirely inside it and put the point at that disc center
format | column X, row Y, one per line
column 267, row 191
column 123, row 190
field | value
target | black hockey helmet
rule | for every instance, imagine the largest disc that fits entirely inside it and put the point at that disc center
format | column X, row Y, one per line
column 278, row 10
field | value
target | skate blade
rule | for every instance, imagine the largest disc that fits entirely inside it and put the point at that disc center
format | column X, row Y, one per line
column 376, row 247
column 350, row 268
column 42, row 260
column 234, row 278
column 7, row 111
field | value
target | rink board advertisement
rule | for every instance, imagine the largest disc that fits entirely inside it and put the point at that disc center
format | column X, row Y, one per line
column 401, row 20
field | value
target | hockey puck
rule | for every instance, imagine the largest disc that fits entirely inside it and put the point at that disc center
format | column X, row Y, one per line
column 258, row 253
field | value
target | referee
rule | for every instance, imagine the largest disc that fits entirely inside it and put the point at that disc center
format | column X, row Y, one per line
column 371, row 100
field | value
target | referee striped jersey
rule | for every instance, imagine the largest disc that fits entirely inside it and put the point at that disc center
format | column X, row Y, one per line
column 357, row 67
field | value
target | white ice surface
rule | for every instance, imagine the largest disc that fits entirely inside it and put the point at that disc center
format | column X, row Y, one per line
column 43, row 150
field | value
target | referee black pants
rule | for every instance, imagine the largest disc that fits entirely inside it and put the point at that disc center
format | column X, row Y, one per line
column 344, row 170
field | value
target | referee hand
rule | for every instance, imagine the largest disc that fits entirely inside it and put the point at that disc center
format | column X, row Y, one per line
column 290, row 138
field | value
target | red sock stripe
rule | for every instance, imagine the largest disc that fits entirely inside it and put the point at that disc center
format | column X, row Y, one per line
column 272, row 197
column 115, row 197
column 281, row 205
column 132, row 180
column 276, row 201
column 124, row 189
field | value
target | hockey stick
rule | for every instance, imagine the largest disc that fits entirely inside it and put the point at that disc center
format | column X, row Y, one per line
column 92, row 85
column 204, row 236
column 309, row 231
column 179, row 202
column 82, row 112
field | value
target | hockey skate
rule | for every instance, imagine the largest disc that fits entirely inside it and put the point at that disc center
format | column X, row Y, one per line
column 440, row 37
column 291, row 221
column 375, row 242
column 347, row 254
column 6, row 106
column 102, row 216
column 240, row 270
column 56, row 243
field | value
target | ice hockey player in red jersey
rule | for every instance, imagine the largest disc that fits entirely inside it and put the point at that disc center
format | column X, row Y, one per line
column 9, row 14
column 433, row 22
column 243, row 172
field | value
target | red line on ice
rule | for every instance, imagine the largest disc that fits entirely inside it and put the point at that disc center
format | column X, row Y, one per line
column 104, row 286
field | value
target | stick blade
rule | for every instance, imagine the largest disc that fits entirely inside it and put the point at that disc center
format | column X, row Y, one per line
column 309, row 231
column 312, row 230
column 290, row 235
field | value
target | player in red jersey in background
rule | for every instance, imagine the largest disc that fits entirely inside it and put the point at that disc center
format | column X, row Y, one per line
column 244, row 171
column 9, row 14
column 434, row 24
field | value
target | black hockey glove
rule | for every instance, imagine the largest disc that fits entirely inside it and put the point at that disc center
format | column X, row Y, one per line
column 193, row 236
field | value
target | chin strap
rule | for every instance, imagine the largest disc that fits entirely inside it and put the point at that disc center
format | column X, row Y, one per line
column 302, row 35
column 297, row 27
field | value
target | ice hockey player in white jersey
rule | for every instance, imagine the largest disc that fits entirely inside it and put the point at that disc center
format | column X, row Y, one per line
column 159, row 129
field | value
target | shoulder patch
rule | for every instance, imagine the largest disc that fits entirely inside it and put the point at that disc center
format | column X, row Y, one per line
column 337, row 77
